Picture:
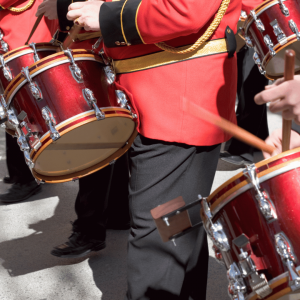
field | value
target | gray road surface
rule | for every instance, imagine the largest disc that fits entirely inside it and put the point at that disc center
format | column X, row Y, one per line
column 30, row 229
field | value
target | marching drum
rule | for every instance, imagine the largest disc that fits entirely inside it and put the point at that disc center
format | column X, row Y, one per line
column 271, row 28
column 254, row 222
column 70, row 118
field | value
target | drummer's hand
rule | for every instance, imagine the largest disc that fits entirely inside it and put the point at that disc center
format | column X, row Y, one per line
column 275, row 140
column 48, row 8
column 87, row 14
column 288, row 93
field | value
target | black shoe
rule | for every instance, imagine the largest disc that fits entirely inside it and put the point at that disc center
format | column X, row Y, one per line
column 19, row 192
column 78, row 245
column 7, row 179
column 237, row 160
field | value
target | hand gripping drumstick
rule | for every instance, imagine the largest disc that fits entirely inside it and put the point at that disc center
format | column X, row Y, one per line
column 229, row 127
column 289, row 69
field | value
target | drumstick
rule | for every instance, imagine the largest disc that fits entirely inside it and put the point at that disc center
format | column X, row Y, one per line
column 289, row 69
column 71, row 35
column 229, row 127
column 35, row 25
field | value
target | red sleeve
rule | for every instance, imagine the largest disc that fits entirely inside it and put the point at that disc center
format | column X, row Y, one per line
column 162, row 20
column 132, row 22
column 7, row 3
column 248, row 5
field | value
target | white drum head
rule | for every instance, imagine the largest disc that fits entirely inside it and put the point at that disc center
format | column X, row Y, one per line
column 84, row 146
column 275, row 67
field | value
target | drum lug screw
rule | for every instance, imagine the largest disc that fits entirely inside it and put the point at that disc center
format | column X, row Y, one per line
column 110, row 74
column 259, row 24
column 173, row 240
column 5, row 69
column 285, row 251
column 4, row 45
column 294, row 28
column 76, row 72
column 166, row 220
column 50, row 121
column 269, row 44
column 92, row 102
column 283, row 8
column 35, row 55
column 34, row 89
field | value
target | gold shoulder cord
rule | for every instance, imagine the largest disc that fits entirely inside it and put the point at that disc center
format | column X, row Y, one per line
column 21, row 9
column 207, row 34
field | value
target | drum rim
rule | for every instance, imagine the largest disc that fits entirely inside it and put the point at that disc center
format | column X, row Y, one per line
column 274, row 283
column 92, row 169
column 258, row 11
column 16, row 84
column 44, row 46
column 277, row 48
column 217, row 205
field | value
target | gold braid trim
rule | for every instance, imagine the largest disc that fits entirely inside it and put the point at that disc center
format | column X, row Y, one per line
column 207, row 34
column 20, row 9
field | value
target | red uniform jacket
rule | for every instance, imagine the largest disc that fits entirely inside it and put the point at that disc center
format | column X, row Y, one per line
column 159, row 94
column 16, row 27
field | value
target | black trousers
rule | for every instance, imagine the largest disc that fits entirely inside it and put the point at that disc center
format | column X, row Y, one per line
column 15, row 161
column 102, row 198
column 250, row 116
column 160, row 172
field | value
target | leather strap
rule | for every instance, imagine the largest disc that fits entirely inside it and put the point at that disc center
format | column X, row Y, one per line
column 36, row 24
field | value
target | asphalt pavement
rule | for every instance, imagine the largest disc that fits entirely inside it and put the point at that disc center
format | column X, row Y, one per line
column 30, row 229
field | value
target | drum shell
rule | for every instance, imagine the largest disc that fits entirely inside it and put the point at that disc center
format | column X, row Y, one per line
column 267, row 16
column 23, row 57
column 242, row 215
column 63, row 95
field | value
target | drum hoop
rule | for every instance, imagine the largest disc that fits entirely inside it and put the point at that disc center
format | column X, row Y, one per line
column 63, row 60
column 26, row 47
column 277, row 48
column 243, row 186
column 273, row 283
column 63, row 129
column 95, row 168
column 258, row 11
column 24, row 52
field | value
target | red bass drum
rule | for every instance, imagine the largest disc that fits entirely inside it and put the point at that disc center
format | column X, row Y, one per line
column 254, row 222
column 70, row 117
column 271, row 28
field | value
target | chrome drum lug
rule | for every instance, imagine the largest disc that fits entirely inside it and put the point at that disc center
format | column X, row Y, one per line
column 34, row 88
column 75, row 70
column 50, row 121
column 92, row 102
column 294, row 28
column 5, row 69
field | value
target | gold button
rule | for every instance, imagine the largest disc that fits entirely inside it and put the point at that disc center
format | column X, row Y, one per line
column 117, row 43
column 68, row 27
column 123, row 43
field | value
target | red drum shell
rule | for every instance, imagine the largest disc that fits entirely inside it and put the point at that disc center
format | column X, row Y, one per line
column 63, row 95
column 267, row 12
column 241, row 214
column 23, row 57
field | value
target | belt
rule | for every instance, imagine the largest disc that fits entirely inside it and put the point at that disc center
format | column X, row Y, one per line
column 165, row 58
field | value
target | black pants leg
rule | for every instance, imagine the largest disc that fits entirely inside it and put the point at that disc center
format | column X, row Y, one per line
column 93, row 199
column 160, row 172
column 15, row 161
column 250, row 116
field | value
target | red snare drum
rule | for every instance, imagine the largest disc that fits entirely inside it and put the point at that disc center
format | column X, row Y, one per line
column 254, row 222
column 272, row 27
column 12, row 62
column 70, row 118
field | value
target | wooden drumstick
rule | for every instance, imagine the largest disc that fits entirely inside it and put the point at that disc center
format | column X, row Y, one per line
column 289, row 69
column 229, row 127
column 72, row 35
